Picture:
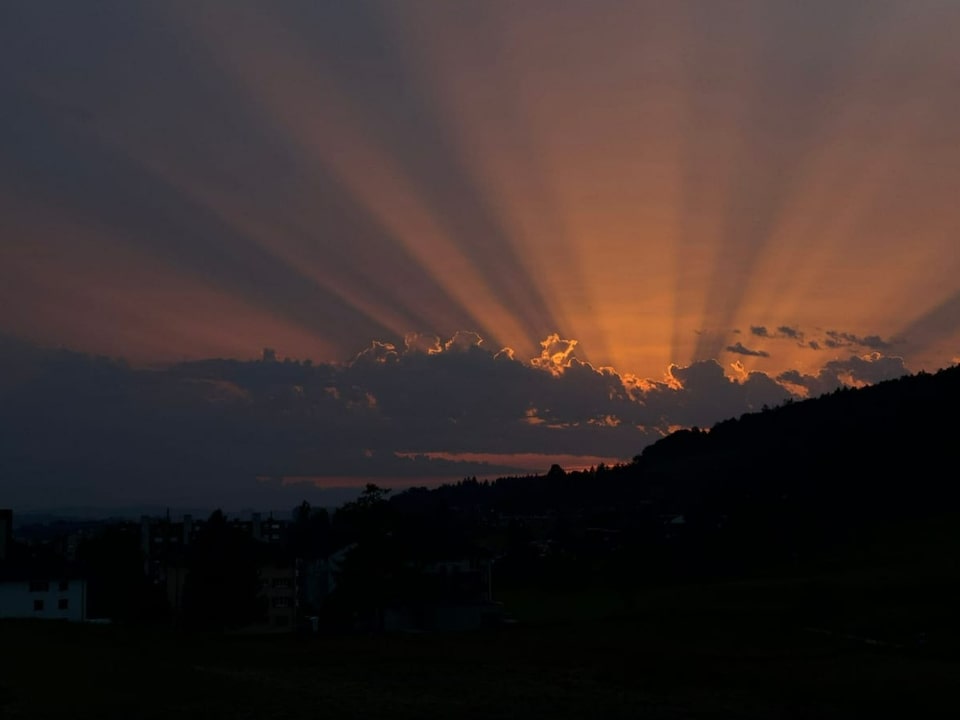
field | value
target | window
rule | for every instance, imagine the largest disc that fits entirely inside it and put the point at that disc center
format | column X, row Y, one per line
column 282, row 602
column 39, row 586
column 38, row 605
column 64, row 585
column 63, row 604
column 282, row 621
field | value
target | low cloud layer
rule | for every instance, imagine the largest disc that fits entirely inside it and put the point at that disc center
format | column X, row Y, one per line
column 739, row 349
column 784, row 331
column 812, row 340
column 836, row 339
column 86, row 430
column 817, row 340
column 855, row 371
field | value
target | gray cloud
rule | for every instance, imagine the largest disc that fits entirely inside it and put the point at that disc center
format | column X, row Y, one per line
column 739, row 349
column 837, row 339
column 867, row 369
column 833, row 339
column 704, row 391
column 781, row 333
column 78, row 427
column 852, row 371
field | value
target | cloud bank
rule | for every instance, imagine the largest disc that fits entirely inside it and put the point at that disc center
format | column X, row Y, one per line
column 90, row 430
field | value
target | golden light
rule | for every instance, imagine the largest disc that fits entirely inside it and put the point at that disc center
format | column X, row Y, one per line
column 652, row 180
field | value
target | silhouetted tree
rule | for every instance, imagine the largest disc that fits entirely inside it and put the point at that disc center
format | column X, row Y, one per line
column 310, row 536
column 222, row 586
column 367, row 576
column 117, row 586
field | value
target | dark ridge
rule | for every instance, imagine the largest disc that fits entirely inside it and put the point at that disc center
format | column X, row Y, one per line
column 797, row 483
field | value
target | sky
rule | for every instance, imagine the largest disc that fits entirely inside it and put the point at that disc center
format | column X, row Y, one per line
column 502, row 233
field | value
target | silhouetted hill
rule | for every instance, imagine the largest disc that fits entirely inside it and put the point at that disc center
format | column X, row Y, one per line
column 795, row 483
column 886, row 447
column 816, row 474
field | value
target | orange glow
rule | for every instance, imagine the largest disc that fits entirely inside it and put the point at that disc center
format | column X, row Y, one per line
column 156, row 312
column 329, row 482
column 627, row 196
column 651, row 179
column 530, row 462
column 322, row 125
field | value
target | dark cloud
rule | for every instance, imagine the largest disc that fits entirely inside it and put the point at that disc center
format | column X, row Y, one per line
column 837, row 339
column 867, row 369
column 79, row 427
column 760, row 390
column 781, row 333
column 739, row 349
column 792, row 377
column 854, row 371
column 378, row 352
column 463, row 341
column 697, row 392
column 792, row 333
column 420, row 342
column 833, row 339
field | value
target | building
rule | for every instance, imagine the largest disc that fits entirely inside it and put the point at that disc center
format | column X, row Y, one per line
column 167, row 546
column 318, row 578
column 278, row 590
column 37, row 584
column 42, row 596
column 456, row 596
column 165, row 542
column 278, row 584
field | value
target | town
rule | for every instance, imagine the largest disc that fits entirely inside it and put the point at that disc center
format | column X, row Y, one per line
column 715, row 581
column 253, row 575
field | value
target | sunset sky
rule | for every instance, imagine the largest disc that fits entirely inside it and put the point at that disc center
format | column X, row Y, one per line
column 506, row 231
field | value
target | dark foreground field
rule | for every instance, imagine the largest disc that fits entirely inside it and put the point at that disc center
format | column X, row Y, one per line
column 840, row 647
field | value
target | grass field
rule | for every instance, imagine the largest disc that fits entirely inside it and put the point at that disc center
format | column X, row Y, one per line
column 788, row 649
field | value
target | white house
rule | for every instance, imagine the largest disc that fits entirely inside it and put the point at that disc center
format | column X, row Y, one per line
column 31, row 587
column 51, row 599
